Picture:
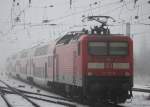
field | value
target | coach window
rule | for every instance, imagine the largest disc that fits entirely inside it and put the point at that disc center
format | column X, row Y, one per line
column 24, row 54
column 41, row 50
column 14, row 57
column 50, row 61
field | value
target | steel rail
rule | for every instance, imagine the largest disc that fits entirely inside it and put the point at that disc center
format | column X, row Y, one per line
column 141, row 90
column 97, row 104
column 43, row 99
column 51, row 101
column 20, row 94
column 6, row 101
column 49, row 96
column 2, row 94
column 105, row 104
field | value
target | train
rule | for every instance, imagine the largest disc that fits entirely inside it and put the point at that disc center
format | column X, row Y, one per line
column 81, row 65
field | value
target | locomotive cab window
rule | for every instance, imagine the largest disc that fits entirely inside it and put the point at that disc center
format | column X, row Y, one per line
column 97, row 48
column 108, row 48
column 65, row 40
column 118, row 48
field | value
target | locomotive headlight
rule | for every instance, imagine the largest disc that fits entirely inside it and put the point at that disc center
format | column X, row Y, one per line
column 93, row 65
column 121, row 65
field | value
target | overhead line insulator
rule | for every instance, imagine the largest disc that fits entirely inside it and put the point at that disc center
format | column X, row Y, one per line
column 70, row 3
column 136, row 17
column 29, row 1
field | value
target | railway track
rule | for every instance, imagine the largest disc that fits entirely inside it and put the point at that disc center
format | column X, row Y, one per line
column 2, row 94
column 49, row 98
column 106, row 104
column 18, row 93
column 38, row 94
column 29, row 95
column 141, row 90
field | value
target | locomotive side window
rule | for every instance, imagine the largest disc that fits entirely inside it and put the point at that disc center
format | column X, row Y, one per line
column 98, row 48
column 118, row 48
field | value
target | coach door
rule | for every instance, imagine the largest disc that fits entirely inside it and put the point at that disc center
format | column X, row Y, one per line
column 74, row 67
column 45, row 69
column 30, row 67
column 56, row 65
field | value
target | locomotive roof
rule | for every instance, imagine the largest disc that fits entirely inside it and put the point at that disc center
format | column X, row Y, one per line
column 74, row 35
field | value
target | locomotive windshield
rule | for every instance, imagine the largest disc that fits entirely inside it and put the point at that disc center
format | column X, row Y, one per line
column 118, row 48
column 98, row 48
column 108, row 48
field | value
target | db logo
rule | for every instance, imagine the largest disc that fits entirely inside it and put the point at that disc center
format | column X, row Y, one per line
column 108, row 65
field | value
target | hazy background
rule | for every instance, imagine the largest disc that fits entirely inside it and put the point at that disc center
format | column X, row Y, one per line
column 21, row 25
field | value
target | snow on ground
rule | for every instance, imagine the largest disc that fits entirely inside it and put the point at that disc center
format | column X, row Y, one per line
column 24, row 86
column 18, row 101
column 139, row 98
column 2, row 103
column 142, row 86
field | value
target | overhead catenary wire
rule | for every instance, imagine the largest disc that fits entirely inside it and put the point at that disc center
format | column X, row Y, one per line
column 75, row 12
column 88, row 10
column 81, row 12
column 12, row 19
column 125, row 3
column 62, row 17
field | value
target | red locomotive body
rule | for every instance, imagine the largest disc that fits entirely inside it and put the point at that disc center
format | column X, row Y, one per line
column 83, row 65
column 108, row 66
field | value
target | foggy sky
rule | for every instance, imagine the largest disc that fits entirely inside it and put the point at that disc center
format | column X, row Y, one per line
column 24, row 36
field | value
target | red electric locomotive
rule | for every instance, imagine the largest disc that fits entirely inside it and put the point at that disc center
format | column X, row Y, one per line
column 96, row 65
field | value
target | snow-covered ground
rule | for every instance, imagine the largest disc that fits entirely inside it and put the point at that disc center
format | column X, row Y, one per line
column 142, row 86
column 139, row 98
column 18, row 101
